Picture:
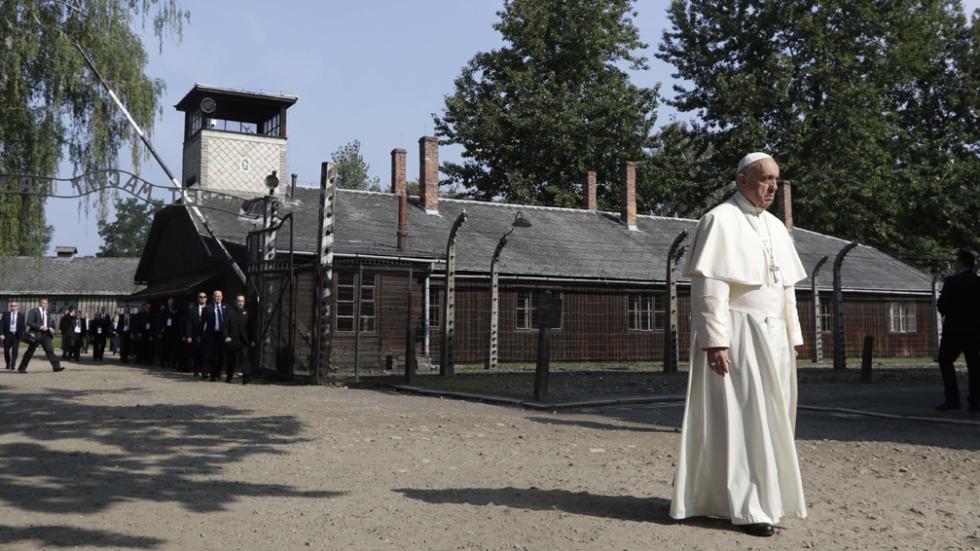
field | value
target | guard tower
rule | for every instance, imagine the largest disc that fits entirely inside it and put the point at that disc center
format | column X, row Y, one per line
column 233, row 139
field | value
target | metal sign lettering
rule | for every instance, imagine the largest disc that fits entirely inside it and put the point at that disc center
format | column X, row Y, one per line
column 94, row 182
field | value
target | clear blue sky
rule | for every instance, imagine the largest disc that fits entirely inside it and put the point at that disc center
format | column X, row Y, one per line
column 370, row 70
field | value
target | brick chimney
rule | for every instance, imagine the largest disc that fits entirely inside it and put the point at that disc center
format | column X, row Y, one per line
column 589, row 188
column 784, row 203
column 628, row 212
column 402, row 233
column 397, row 170
column 429, row 173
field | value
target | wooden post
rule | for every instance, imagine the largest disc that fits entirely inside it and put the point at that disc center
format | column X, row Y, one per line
column 543, row 365
column 410, row 366
column 840, row 362
column 447, row 364
column 357, row 322
column 866, row 357
column 549, row 316
column 817, row 319
column 324, row 276
column 670, row 335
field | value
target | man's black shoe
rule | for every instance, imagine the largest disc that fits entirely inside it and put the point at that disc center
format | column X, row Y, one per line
column 246, row 379
column 22, row 370
column 946, row 406
column 57, row 369
column 761, row 529
column 228, row 379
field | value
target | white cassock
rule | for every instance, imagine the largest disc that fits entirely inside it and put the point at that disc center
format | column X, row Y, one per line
column 738, row 455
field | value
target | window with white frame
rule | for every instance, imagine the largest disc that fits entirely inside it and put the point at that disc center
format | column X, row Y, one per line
column 527, row 310
column 645, row 313
column 435, row 310
column 347, row 301
column 901, row 317
column 826, row 315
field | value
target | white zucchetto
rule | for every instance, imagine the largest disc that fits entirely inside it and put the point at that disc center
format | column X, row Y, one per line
column 751, row 158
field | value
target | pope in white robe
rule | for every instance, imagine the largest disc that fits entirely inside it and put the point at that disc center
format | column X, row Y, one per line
column 738, row 455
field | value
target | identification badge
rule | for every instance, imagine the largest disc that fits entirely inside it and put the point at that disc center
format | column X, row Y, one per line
column 148, row 327
column 98, row 331
column 78, row 329
column 170, row 322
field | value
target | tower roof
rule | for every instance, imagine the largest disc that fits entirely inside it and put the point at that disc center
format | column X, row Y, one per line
column 236, row 104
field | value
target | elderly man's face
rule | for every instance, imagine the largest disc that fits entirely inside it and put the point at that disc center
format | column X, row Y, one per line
column 758, row 182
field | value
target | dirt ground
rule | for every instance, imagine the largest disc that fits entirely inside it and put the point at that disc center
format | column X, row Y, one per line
column 117, row 457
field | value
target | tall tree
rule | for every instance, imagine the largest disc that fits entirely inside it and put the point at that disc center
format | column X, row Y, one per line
column 352, row 169
column 554, row 102
column 53, row 106
column 863, row 102
column 126, row 235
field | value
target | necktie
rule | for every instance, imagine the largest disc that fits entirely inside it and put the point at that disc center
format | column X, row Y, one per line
column 217, row 315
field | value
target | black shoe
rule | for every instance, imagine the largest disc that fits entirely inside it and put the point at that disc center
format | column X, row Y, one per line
column 22, row 370
column 947, row 406
column 57, row 369
column 228, row 379
column 213, row 378
column 246, row 379
column 761, row 529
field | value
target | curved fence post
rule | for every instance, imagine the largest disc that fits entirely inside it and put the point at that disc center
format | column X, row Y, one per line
column 670, row 334
column 817, row 319
column 840, row 361
column 447, row 361
column 324, row 277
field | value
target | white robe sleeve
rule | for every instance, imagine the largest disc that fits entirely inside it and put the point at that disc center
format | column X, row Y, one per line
column 793, row 317
column 710, row 316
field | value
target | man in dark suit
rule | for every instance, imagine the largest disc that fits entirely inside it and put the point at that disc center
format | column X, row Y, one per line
column 40, row 332
column 959, row 303
column 100, row 329
column 12, row 327
column 143, row 334
column 213, row 339
column 193, row 332
column 165, row 333
column 124, row 328
column 70, row 333
column 239, row 340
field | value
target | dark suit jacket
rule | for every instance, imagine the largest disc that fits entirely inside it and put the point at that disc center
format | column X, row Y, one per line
column 18, row 331
column 959, row 303
column 67, row 327
column 121, row 327
column 103, row 322
column 138, row 323
column 238, row 326
column 193, row 322
column 34, row 321
column 207, row 324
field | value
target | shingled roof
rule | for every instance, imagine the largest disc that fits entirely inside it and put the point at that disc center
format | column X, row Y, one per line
column 569, row 244
column 80, row 275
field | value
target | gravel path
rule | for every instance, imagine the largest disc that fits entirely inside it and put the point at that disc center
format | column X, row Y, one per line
column 115, row 457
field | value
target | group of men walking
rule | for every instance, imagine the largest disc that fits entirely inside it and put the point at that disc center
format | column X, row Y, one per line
column 216, row 336
column 207, row 338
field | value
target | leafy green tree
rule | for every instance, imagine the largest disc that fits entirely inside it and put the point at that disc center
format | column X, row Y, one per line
column 52, row 106
column 866, row 104
column 126, row 236
column 554, row 102
column 352, row 170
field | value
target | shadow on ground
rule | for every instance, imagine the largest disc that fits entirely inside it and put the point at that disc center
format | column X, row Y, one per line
column 628, row 508
column 71, row 456
column 48, row 537
column 650, row 509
